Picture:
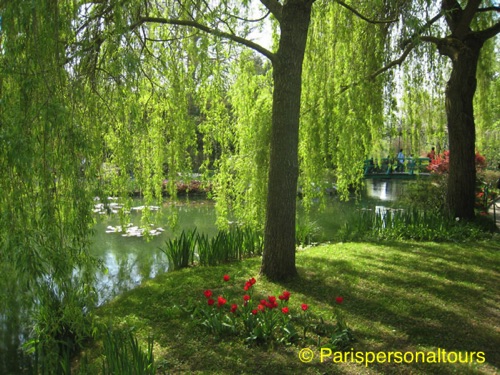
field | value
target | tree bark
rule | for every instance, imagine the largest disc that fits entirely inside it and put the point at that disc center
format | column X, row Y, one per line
column 460, row 92
column 278, row 262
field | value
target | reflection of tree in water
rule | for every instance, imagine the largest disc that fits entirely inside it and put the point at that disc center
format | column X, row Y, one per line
column 127, row 270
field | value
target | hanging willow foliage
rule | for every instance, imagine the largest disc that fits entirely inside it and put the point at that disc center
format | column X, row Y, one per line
column 48, row 153
column 339, row 130
column 487, row 104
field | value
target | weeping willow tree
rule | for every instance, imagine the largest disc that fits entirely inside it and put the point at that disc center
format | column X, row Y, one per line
column 48, row 148
column 172, row 55
column 458, row 31
column 96, row 94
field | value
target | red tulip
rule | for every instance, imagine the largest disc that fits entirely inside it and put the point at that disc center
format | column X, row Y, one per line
column 208, row 293
column 221, row 301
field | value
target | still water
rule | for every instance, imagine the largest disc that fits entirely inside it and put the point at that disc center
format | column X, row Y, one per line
column 130, row 260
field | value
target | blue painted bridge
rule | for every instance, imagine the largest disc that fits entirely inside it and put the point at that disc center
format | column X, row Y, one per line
column 388, row 168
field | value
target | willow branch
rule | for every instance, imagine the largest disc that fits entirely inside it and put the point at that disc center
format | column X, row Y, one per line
column 251, row 20
column 208, row 30
column 463, row 26
column 369, row 20
column 274, row 7
column 422, row 29
column 489, row 32
column 382, row 70
column 489, row 9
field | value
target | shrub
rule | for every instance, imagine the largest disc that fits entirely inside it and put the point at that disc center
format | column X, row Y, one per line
column 427, row 194
column 441, row 164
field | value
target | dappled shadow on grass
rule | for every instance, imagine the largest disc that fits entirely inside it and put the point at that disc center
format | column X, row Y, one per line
column 432, row 296
column 397, row 297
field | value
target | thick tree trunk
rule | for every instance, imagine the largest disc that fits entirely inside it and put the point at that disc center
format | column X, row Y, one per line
column 278, row 262
column 461, row 129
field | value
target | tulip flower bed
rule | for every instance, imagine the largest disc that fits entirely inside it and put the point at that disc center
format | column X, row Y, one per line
column 269, row 320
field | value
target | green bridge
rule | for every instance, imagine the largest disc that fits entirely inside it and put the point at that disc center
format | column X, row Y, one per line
column 389, row 168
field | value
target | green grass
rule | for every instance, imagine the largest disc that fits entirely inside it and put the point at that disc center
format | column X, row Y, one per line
column 403, row 296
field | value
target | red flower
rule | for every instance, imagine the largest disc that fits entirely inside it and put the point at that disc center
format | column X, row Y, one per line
column 249, row 283
column 210, row 302
column 285, row 310
column 339, row 300
column 234, row 306
column 226, row 277
column 285, row 296
column 208, row 293
column 263, row 302
column 255, row 311
column 304, row 306
column 261, row 307
column 272, row 303
column 221, row 301
column 246, row 298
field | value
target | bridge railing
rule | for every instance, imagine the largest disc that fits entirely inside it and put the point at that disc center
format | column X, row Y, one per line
column 388, row 165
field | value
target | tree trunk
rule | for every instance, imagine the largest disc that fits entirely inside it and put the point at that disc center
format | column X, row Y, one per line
column 461, row 128
column 278, row 262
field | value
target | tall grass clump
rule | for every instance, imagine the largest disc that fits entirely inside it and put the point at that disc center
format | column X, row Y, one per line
column 306, row 231
column 180, row 250
column 123, row 355
column 216, row 250
column 228, row 245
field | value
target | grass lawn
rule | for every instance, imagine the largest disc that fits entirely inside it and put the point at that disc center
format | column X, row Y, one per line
column 398, row 297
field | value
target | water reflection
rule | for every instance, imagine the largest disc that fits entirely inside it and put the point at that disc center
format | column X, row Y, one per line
column 128, row 261
column 385, row 190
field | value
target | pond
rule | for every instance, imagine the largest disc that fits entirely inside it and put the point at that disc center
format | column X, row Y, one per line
column 130, row 260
